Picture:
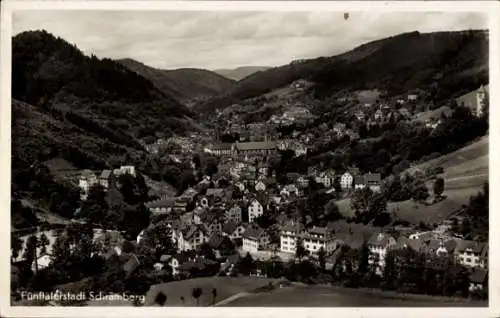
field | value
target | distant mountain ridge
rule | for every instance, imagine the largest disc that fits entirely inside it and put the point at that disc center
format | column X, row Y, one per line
column 454, row 61
column 184, row 84
column 240, row 73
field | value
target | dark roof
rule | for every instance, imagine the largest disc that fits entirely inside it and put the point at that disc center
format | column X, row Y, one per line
column 222, row 146
column 216, row 241
column 380, row 239
column 476, row 247
column 105, row 174
column 478, row 276
column 254, row 233
column 229, row 227
column 131, row 264
column 167, row 202
column 372, row 177
column 359, row 179
column 256, row 145
column 215, row 192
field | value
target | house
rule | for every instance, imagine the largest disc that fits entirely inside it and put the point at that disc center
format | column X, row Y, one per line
column 379, row 115
column 131, row 262
column 478, row 280
column 215, row 193
column 318, row 238
column 260, row 186
column 404, row 112
column 472, row 254
column 378, row 245
column 221, row 245
column 339, row 129
column 288, row 190
column 212, row 223
column 86, row 181
column 255, row 210
column 104, row 178
column 255, row 239
column 221, row 149
column 300, row 149
column 303, row 182
column 125, row 170
column 234, row 214
column 233, row 230
column 240, row 185
column 359, row 182
column 360, row 115
column 352, row 134
column 161, row 206
column 289, row 235
column 412, row 97
column 190, row 237
column 475, row 100
column 373, row 181
column 346, row 180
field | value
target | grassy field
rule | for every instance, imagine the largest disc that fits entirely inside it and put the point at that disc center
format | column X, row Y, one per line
column 226, row 287
column 465, row 172
column 436, row 113
column 324, row 296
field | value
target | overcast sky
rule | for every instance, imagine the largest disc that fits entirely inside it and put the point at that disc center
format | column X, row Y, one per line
column 214, row 40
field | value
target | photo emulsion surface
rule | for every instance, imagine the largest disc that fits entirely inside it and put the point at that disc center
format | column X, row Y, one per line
column 249, row 158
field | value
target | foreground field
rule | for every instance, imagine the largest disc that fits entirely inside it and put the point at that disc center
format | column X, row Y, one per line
column 323, row 296
column 226, row 287
column 466, row 170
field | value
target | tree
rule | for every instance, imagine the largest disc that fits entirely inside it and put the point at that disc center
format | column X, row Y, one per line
column 300, row 251
column 95, row 208
column 30, row 253
column 438, row 187
column 196, row 293
column 322, row 258
column 16, row 246
column 419, row 191
column 364, row 254
column 210, row 166
column 214, row 295
column 246, row 264
column 161, row 299
column 43, row 242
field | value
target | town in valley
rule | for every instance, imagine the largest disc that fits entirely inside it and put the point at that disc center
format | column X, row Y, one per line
column 359, row 179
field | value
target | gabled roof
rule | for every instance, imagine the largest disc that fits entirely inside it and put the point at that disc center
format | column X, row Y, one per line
column 372, row 177
column 166, row 202
column 380, row 239
column 476, row 247
column 215, row 192
column 254, row 233
column 478, row 276
column 229, row 227
column 105, row 174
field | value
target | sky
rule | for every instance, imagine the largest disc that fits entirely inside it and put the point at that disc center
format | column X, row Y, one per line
column 225, row 39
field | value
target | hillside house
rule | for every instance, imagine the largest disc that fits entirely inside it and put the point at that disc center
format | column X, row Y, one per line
column 255, row 239
column 346, row 180
column 303, row 182
column 212, row 223
column 289, row 190
column 360, row 115
column 339, row 129
column 404, row 112
column 412, row 97
column 190, row 237
column 475, row 100
column 86, row 181
column 378, row 245
column 233, row 230
column 255, row 210
column 359, row 182
column 373, row 181
column 161, row 206
column 318, row 238
column 240, row 185
column 105, row 178
column 125, row 170
column 289, row 234
column 221, row 245
column 472, row 254
column 234, row 214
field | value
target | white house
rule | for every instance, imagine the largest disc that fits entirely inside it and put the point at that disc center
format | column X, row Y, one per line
column 290, row 189
column 318, row 238
column 255, row 210
column 260, row 186
column 234, row 214
column 86, row 181
column 255, row 239
column 289, row 235
column 189, row 238
column 472, row 254
column 379, row 244
column 346, row 180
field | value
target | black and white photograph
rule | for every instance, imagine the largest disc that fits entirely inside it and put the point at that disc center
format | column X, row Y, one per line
column 249, row 158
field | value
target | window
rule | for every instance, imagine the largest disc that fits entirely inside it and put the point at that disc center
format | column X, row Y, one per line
column 468, row 260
